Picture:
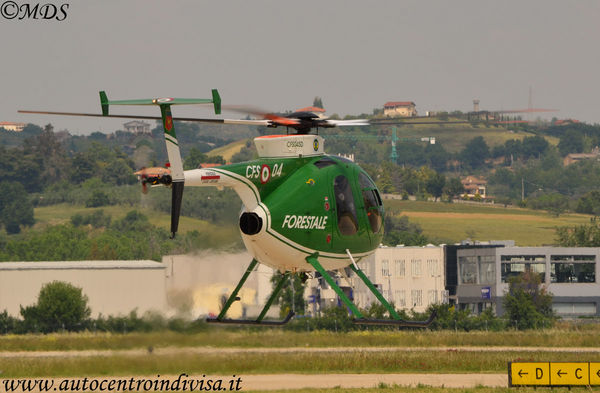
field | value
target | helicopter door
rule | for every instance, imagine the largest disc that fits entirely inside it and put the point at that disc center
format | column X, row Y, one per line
column 372, row 201
column 347, row 221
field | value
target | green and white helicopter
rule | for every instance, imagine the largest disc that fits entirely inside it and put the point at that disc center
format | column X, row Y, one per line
column 303, row 210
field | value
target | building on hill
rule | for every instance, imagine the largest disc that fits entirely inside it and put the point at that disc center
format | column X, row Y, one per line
column 12, row 126
column 474, row 186
column 137, row 127
column 399, row 109
column 576, row 157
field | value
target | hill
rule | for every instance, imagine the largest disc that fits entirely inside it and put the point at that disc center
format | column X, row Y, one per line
column 453, row 222
column 228, row 150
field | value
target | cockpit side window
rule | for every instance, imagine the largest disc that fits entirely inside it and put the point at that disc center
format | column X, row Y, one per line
column 372, row 202
column 346, row 210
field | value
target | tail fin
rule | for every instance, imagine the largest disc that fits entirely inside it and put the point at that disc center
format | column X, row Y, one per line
column 175, row 161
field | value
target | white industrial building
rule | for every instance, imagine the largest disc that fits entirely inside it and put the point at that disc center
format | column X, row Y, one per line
column 411, row 277
column 569, row 274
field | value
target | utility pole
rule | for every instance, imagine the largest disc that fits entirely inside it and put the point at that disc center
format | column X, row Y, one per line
column 522, row 189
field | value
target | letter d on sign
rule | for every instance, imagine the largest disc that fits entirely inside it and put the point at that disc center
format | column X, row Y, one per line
column 539, row 373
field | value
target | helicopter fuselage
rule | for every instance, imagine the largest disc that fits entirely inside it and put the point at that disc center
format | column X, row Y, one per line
column 298, row 202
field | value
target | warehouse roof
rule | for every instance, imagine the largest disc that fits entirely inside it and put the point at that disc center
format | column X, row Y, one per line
column 82, row 265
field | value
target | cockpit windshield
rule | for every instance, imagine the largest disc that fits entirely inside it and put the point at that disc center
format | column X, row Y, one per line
column 372, row 201
column 346, row 210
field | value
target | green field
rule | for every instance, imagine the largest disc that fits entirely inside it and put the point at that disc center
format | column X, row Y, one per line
column 453, row 222
column 441, row 222
column 62, row 213
column 228, row 150
column 454, row 139
column 220, row 351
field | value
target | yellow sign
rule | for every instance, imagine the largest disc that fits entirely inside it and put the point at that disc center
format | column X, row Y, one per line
column 529, row 374
column 570, row 374
column 594, row 373
column 554, row 374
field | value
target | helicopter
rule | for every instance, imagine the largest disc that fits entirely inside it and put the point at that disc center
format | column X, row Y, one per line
column 303, row 210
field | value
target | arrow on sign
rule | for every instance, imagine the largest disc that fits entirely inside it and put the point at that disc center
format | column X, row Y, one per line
column 598, row 373
column 560, row 373
column 521, row 373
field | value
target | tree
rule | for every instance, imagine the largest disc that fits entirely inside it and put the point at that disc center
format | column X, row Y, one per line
column 193, row 159
column 571, row 142
column 475, row 152
column 398, row 230
column 435, row 185
column 292, row 290
column 317, row 102
column 587, row 235
column 589, row 203
column 60, row 305
column 454, row 187
column 15, row 207
column 97, row 199
column 527, row 303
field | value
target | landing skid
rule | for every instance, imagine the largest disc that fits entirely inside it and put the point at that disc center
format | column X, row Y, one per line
column 314, row 262
column 252, row 321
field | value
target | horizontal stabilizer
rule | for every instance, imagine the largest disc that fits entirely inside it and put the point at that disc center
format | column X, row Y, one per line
column 215, row 100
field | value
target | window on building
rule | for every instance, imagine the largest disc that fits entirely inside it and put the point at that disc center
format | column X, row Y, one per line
column 487, row 269
column 468, row 270
column 416, row 296
column 400, row 298
column 572, row 268
column 574, row 308
column 400, row 267
column 386, row 294
column 432, row 296
column 432, row 267
column 385, row 268
column 415, row 267
column 513, row 265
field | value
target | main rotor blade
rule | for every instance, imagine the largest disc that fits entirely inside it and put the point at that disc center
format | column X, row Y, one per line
column 348, row 123
column 202, row 120
column 399, row 122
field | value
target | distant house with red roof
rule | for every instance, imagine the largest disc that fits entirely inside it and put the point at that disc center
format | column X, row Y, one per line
column 11, row 126
column 474, row 186
column 399, row 109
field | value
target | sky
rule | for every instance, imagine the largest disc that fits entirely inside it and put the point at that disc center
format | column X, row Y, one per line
column 278, row 55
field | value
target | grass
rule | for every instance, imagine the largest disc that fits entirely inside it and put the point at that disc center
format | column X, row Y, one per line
column 220, row 337
column 451, row 223
column 426, row 389
column 241, row 363
column 455, row 138
column 228, row 150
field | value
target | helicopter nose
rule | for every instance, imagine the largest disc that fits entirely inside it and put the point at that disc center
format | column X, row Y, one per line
column 250, row 223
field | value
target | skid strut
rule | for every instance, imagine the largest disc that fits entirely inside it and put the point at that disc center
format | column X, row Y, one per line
column 258, row 321
column 359, row 318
